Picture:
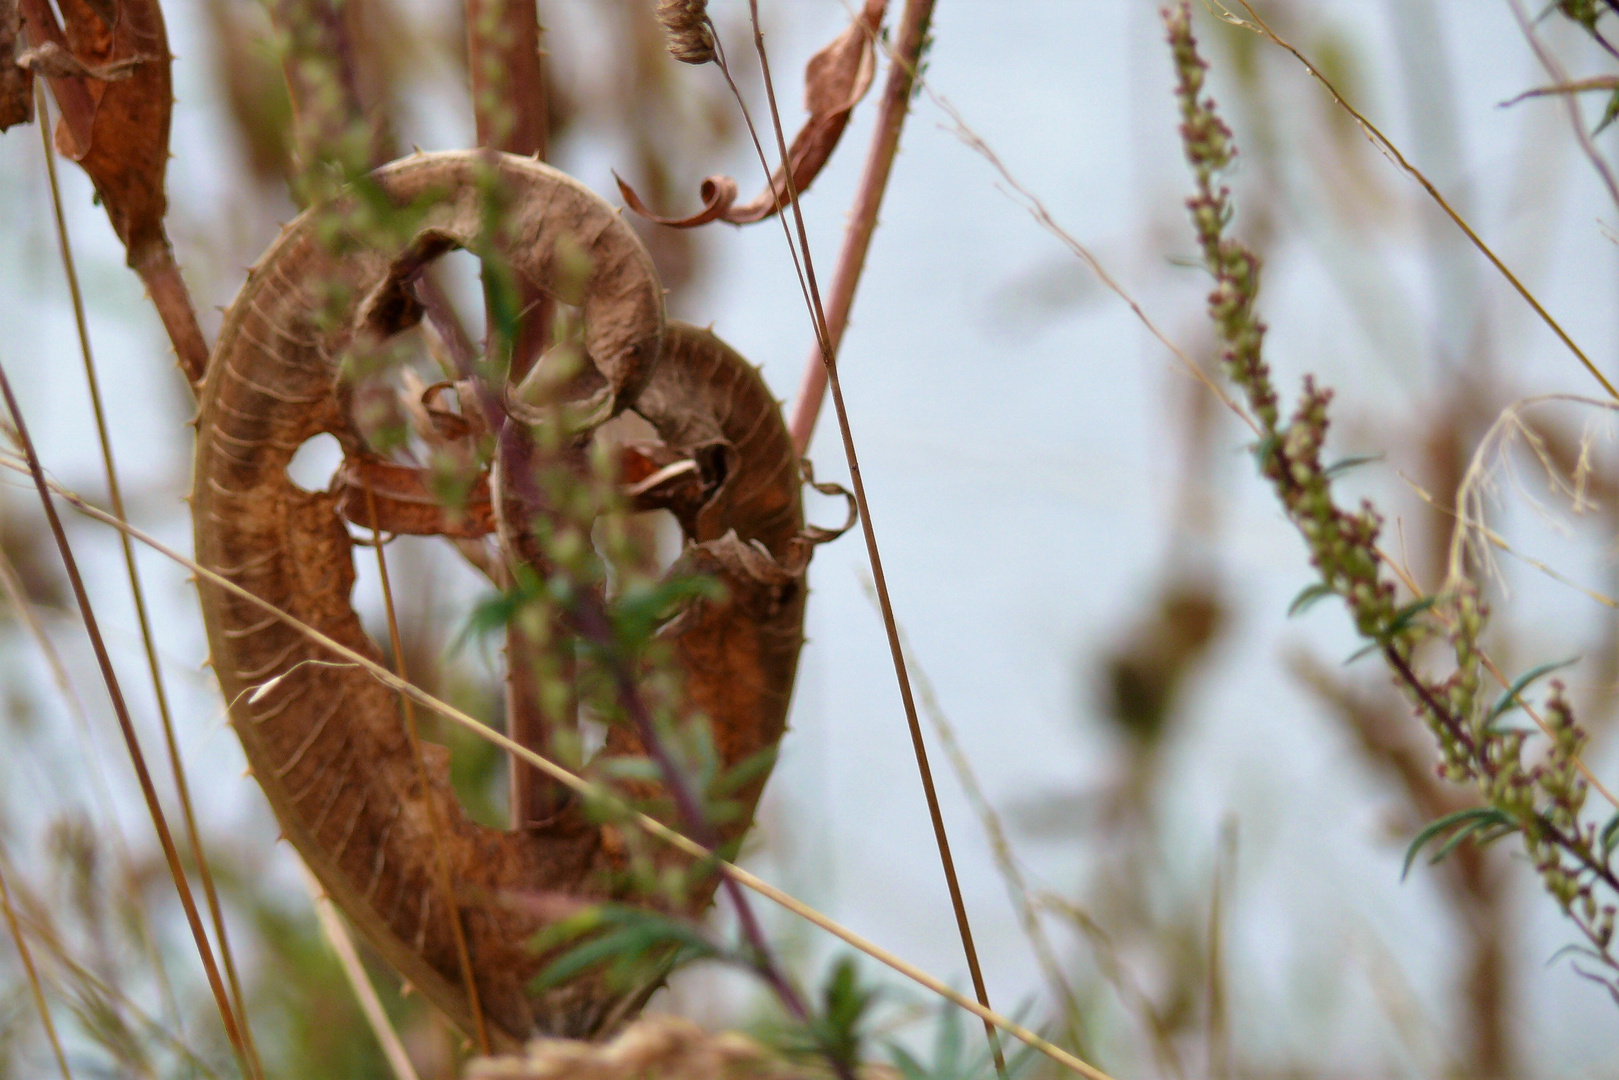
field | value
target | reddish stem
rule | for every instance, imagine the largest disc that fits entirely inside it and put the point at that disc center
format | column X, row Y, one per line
column 511, row 113
column 167, row 289
column 891, row 113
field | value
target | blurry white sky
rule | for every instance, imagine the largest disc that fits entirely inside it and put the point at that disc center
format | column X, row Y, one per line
column 1020, row 458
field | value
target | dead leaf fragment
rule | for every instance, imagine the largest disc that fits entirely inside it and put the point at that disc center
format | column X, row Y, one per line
column 108, row 68
column 16, row 83
column 52, row 60
column 835, row 79
column 118, row 131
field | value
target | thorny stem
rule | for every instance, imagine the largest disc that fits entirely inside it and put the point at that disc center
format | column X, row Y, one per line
column 892, row 112
column 142, row 615
column 830, row 363
column 126, row 725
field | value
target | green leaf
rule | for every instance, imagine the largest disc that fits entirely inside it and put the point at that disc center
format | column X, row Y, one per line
column 743, row 772
column 1370, row 646
column 1487, row 815
column 1608, row 839
column 1307, row 598
column 1469, row 829
column 1509, row 700
column 637, row 934
column 1403, row 618
column 1582, row 950
column 909, row 1067
column 1263, row 449
column 1609, row 114
column 1338, row 468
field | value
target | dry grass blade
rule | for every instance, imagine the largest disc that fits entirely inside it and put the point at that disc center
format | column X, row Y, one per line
column 1037, row 210
column 1383, row 143
column 331, row 926
column 923, row 9
column 12, row 586
column 34, row 986
column 436, row 823
column 143, row 616
column 126, row 726
column 649, row 825
column 32, row 916
column 1000, row 844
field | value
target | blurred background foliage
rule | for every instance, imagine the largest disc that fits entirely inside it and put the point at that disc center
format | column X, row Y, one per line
column 1146, row 942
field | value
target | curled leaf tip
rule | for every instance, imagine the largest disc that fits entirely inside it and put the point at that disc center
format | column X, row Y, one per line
column 718, row 194
column 689, row 34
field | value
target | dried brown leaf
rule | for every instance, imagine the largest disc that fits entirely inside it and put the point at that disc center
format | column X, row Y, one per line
column 118, row 131
column 16, row 83
column 718, row 192
column 835, row 79
column 108, row 68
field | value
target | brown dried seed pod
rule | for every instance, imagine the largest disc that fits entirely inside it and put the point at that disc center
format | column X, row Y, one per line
column 690, row 35
column 326, row 743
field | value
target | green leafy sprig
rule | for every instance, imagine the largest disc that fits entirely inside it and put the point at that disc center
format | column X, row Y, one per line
column 1542, row 802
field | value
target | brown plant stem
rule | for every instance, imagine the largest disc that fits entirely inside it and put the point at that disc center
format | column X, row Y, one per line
column 126, row 725
column 137, row 591
column 921, row 11
column 169, row 295
column 511, row 113
column 891, row 113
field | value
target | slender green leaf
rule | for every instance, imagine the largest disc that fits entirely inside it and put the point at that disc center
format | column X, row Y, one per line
column 1306, row 599
column 1403, row 618
column 1369, row 647
column 1509, row 699
column 1609, row 837
column 1582, row 950
column 638, row 934
column 1338, row 468
column 1458, row 836
column 1489, row 814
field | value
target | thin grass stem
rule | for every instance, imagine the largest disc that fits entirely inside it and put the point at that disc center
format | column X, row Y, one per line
column 337, row 936
column 1571, row 103
column 34, row 986
column 435, row 822
column 126, row 725
column 1006, row 862
column 142, row 615
column 30, row 915
column 1384, row 143
column 101, row 791
column 829, row 361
